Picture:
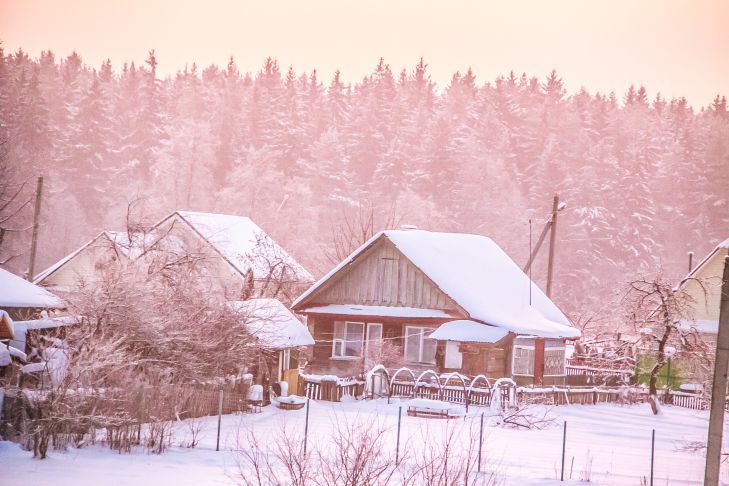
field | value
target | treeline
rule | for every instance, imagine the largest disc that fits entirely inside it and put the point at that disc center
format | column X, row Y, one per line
column 645, row 180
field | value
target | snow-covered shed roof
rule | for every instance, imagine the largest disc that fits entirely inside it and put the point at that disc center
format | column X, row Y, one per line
column 21, row 328
column 466, row 331
column 272, row 323
column 477, row 275
column 17, row 292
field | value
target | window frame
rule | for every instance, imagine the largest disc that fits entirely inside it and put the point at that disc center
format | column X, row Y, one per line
column 421, row 342
column 530, row 351
column 342, row 342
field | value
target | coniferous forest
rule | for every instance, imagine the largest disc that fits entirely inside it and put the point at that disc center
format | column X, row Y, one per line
column 645, row 179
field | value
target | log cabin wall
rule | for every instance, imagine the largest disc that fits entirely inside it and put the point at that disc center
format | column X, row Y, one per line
column 383, row 276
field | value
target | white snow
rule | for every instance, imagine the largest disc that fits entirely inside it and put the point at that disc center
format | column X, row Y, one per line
column 468, row 332
column 614, row 441
column 5, row 358
column 235, row 238
column 272, row 323
column 435, row 405
column 709, row 326
column 477, row 274
column 377, row 310
column 21, row 328
column 17, row 292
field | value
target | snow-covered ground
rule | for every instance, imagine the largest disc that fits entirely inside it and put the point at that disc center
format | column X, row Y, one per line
column 611, row 441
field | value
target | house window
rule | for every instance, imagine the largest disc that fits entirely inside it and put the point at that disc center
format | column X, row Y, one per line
column 348, row 339
column 523, row 361
column 418, row 347
column 554, row 361
column 373, row 345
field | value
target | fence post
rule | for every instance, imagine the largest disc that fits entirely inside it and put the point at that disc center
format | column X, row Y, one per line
column 653, row 452
column 480, row 443
column 220, row 416
column 397, row 445
column 564, row 446
column 306, row 425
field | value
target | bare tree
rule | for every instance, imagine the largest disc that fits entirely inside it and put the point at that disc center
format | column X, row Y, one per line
column 661, row 314
column 357, row 226
column 13, row 200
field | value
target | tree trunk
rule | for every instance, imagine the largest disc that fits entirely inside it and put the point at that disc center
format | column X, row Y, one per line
column 660, row 363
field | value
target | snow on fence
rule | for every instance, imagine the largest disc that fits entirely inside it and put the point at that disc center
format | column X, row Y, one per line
column 478, row 391
column 329, row 387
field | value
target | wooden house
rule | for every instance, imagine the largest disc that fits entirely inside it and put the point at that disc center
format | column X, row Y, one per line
column 445, row 301
column 239, row 257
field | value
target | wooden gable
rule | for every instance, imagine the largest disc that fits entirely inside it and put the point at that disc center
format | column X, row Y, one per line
column 382, row 276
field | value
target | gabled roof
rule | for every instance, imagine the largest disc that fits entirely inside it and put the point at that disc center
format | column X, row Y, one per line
column 272, row 323
column 17, row 292
column 119, row 240
column 234, row 238
column 724, row 245
column 476, row 274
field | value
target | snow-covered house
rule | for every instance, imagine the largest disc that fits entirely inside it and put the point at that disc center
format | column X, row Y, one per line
column 240, row 256
column 703, row 284
column 280, row 334
column 448, row 301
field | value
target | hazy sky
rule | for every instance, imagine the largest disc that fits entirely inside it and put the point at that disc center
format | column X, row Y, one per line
column 676, row 47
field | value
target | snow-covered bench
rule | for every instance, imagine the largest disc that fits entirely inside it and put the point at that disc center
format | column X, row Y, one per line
column 423, row 407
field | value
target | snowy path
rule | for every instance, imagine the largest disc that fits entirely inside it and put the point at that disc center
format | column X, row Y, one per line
column 614, row 440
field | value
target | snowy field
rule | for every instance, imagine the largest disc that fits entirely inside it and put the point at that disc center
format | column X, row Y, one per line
column 609, row 444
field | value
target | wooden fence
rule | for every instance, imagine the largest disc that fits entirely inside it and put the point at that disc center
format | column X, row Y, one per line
column 330, row 390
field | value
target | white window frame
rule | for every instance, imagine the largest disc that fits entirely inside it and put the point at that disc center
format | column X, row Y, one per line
column 423, row 330
column 513, row 359
column 342, row 342
column 368, row 337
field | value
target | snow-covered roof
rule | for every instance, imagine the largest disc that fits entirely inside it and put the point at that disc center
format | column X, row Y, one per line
column 242, row 243
column 236, row 239
column 272, row 323
column 17, row 292
column 724, row 245
column 378, row 310
column 466, row 331
column 476, row 274
column 120, row 240
column 21, row 328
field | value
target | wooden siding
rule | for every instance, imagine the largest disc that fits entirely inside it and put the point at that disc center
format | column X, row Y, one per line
column 383, row 276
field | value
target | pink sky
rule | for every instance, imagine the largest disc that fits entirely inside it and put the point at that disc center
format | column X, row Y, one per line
column 677, row 47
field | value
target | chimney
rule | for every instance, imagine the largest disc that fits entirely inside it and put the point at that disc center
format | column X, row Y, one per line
column 408, row 227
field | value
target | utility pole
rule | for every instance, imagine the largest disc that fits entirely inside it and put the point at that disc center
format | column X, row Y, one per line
column 718, row 388
column 552, row 238
column 36, row 221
